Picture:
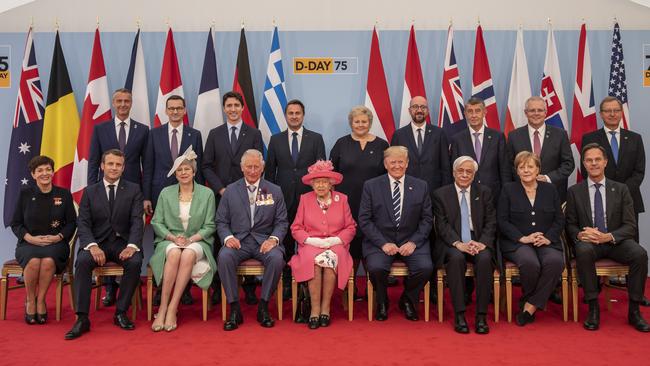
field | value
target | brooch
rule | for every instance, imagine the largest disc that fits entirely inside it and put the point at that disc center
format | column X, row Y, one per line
column 336, row 198
column 55, row 224
column 58, row 201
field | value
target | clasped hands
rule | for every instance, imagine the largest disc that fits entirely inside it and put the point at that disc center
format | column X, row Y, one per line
column 42, row 240
column 471, row 247
column 404, row 250
column 100, row 257
column 324, row 243
column 537, row 239
column 594, row 236
column 267, row 245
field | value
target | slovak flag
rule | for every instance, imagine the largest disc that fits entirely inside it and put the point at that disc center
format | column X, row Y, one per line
column 551, row 89
column 451, row 115
column 170, row 81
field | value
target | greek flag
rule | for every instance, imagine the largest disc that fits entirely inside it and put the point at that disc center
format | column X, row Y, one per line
column 274, row 101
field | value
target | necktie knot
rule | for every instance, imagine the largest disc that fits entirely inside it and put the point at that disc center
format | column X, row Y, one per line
column 397, row 183
column 122, row 124
column 295, row 134
column 613, row 133
column 111, row 186
column 252, row 188
column 598, row 185
column 477, row 134
column 174, row 131
column 463, row 191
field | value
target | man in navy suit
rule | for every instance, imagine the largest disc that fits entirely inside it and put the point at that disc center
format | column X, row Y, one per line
column 396, row 218
column 110, row 228
column 130, row 137
column 290, row 153
column 221, row 165
column 252, row 220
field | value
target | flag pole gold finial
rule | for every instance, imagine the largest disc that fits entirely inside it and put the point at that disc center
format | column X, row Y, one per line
column 549, row 21
column 138, row 23
column 56, row 24
column 478, row 20
column 167, row 22
column 98, row 21
column 275, row 24
column 31, row 22
column 242, row 23
column 213, row 24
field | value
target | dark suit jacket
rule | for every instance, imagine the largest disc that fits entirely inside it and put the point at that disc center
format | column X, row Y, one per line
column 234, row 215
column 630, row 168
column 556, row 156
column 104, row 138
column 281, row 170
column 516, row 217
column 158, row 159
column 433, row 165
column 95, row 223
column 493, row 170
column 220, row 166
column 621, row 221
column 377, row 221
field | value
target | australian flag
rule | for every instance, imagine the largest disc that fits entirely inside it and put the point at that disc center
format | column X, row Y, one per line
column 26, row 132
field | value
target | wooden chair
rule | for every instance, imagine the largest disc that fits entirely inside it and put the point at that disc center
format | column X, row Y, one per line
column 251, row 267
column 204, row 297
column 114, row 269
column 605, row 268
column 441, row 273
column 12, row 267
column 398, row 269
column 347, row 305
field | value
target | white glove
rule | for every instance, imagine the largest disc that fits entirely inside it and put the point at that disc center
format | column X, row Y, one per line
column 333, row 240
column 317, row 242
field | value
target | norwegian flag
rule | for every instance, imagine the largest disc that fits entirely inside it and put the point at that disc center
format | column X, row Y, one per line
column 170, row 81
column 551, row 89
column 482, row 86
column 583, row 119
column 451, row 116
column 27, row 130
column 96, row 109
column 617, row 81
column 413, row 80
column 377, row 97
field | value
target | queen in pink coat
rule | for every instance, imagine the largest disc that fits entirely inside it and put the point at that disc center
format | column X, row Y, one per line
column 323, row 229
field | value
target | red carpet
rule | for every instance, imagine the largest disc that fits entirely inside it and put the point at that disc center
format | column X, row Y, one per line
column 395, row 342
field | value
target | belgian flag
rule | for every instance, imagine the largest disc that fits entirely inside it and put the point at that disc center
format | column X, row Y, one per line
column 61, row 123
column 243, row 84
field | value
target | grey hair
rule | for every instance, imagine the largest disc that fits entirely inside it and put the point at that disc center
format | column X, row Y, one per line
column 461, row 159
column 191, row 163
column 396, row 150
column 534, row 98
column 250, row 153
column 358, row 110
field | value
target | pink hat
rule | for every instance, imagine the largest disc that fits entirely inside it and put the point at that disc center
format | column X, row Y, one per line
column 322, row 169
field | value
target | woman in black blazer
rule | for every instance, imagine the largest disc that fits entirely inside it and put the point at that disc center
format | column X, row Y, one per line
column 531, row 220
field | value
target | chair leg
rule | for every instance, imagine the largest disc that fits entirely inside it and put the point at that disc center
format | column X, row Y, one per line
column 204, row 298
column 278, row 295
column 223, row 303
column 294, row 298
column 98, row 292
column 371, row 294
column 350, row 297
column 607, row 295
column 59, row 295
column 440, row 290
column 3, row 296
column 574, row 293
column 509, row 297
column 565, row 296
column 71, row 290
column 497, row 299
column 427, row 300
column 149, row 294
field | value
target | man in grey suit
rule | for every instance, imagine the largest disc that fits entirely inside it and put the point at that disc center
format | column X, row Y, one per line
column 252, row 220
column 603, row 226
column 550, row 143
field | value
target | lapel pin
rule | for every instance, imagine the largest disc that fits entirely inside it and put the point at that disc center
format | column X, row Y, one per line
column 371, row 151
column 489, row 137
column 476, row 199
column 625, row 137
column 613, row 189
column 410, row 188
column 135, row 126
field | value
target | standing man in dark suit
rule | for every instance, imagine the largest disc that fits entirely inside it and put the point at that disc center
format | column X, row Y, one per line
column 485, row 145
column 396, row 218
column 252, row 220
column 130, row 137
column 603, row 226
column 550, row 143
column 290, row 153
column 110, row 228
column 466, row 225
column 221, row 165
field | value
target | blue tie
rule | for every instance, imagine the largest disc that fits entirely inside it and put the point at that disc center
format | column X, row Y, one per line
column 294, row 147
column 397, row 203
column 465, row 233
column 599, row 212
column 614, row 144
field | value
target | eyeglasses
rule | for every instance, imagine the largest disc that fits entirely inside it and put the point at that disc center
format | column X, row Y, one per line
column 415, row 107
column 611, row 111
column 538, row 110
column 175, row 109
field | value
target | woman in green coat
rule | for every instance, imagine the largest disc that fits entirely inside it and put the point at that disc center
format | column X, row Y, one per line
column 184, row 225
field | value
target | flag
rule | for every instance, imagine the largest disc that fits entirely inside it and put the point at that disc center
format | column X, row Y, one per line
column 27, row 129
column 97, row 108
column 551, row 89
column 583, row 119
column 451, row 116
column 61, row 123
column 377, row 97
column 519, row 87
column 170, row 81
column 274, row 101
column 136, row 82
column 243, row 84
column 413, row 80
column 208, row 104
column 482, row 86
column 617, row 81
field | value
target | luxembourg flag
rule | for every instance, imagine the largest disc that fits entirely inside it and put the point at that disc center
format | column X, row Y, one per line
column 377, row 97
column 551, row 89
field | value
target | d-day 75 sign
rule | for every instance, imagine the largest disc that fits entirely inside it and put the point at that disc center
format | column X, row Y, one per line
column 325, row 65
column 5, row 74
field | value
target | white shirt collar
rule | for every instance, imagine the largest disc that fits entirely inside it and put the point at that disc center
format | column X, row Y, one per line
column 591, row 182
column 415, row 129
column 256, row 184
column 300, row 131
column 617, row 130
column 481, row 130
column 542, row 130
column 393, row 180
column 237, row 125
column 458, row 189
column 107, row 183
column 118, row 121
column 179, row 129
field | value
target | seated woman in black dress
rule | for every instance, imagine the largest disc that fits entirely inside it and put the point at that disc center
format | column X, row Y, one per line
column 530, row 219
column 44, row 222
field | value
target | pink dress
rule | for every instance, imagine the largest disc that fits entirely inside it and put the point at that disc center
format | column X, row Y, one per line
column 311, row 221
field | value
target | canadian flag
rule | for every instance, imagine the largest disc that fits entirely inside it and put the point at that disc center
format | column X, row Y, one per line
column 413, row 80
column 96, row 109
column 170, row 81
column 377, row 97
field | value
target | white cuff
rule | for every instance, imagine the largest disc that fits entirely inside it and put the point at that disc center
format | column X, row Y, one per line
column 227, row 238
column 87, row 247
column 133, row 246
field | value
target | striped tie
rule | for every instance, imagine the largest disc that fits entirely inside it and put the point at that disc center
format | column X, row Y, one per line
column 397, row 203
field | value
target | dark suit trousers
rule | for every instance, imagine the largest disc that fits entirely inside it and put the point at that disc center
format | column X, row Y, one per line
column 289, row 242
column 229, row 259
column 539, row 269
column 130, row 279
column 626, row 252
column 420, row 270
column 456, row 265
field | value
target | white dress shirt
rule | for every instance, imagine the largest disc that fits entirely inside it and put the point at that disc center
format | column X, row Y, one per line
column 179, row 136
column 542, row 134
column 459, row 195
column 592, row 195
column 401, row 190
column 415, row 132
column 299, row 137
column 481, row 133
column 617, row 136
column 127, row 124
column 237, row 129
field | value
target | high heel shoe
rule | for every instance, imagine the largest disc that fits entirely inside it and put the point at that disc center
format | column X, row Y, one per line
column 156, row 327
column 29, row 318
column 41, row 318
column 171, row 328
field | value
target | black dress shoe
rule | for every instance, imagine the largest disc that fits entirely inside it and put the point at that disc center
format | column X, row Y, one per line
column 409, row 310
column 324, row 320
column 636, row 320
column 234, row 320
column 286, row 291
column 186, row 298
column 481, row 324
column 645, row 302
column 460, row 324
column 314, row 323
column 216, row 297
column 250, row 298
column 593, row 318
column 123, row 321
column 382, row 312
column 524, row 318
column 109, row 299
column 81, row 326
column 263, row 316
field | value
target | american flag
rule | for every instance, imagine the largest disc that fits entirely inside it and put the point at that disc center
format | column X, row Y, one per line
column 26, row 132
column 617, row 82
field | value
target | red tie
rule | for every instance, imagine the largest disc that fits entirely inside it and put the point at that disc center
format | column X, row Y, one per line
column 537, row 145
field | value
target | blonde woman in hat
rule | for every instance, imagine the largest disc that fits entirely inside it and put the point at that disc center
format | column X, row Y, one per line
column 184, row 225
column 323, row 229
